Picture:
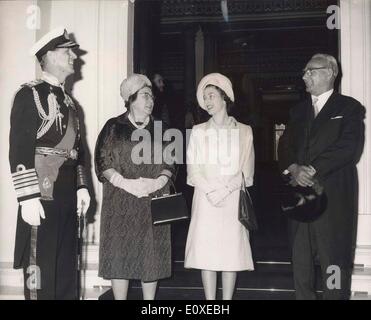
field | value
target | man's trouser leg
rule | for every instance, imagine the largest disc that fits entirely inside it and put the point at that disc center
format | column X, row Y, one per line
column 66, row 266
column 303, row 264
column 40, row 272
column 56, row 254
column 336, row 276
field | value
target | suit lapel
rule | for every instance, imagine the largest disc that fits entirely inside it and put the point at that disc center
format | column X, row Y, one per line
column 309, row 117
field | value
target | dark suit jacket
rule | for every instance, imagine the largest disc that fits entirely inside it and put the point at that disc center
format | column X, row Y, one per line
column 331, row 143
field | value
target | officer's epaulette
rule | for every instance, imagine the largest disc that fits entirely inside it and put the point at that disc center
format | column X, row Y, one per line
column 32, row 83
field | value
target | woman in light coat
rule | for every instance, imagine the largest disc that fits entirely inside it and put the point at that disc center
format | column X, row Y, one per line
column 219, row 151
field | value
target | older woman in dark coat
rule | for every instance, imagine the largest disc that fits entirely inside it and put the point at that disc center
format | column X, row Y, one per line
column 130, row 246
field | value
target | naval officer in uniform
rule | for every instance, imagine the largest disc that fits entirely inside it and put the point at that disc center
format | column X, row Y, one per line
column 47, row 165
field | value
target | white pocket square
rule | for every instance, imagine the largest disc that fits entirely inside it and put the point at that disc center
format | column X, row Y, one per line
column 337, row 117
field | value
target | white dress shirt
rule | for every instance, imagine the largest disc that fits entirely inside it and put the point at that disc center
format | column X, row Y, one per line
column 322, row 99
column 320, row 102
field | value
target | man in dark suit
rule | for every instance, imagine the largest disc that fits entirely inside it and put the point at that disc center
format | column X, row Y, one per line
column 322, row 143
column 46, row 158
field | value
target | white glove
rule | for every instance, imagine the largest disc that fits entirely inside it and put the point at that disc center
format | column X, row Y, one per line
column 152, row 185
column 83, row 201
column 31, row 211
column 235, row 183
column 132, row 186
column 201, row 183
column 216, row 197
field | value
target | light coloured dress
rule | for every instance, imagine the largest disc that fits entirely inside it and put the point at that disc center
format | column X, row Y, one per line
column 216, row 156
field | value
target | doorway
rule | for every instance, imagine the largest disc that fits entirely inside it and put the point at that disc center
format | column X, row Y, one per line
column 261, row 46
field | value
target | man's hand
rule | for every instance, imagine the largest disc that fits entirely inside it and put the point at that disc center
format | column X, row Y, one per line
column 83, row 201
column 31, row 211
column 217, row 196
column 302, row 175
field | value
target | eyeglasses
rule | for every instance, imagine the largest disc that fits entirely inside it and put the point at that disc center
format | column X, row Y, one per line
column 309, row 71
column 147, row 95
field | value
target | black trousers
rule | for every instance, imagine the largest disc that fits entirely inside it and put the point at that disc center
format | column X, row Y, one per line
column 308, row 247
column 55, row 275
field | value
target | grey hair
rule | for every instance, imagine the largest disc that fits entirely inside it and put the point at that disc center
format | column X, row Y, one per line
column 330, row 60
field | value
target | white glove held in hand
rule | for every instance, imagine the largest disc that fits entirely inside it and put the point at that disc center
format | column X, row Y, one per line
column 117, row 180
column 132, row 186
column 216, row 197
column 83, row 201
column 31, row 211
column 152, row 185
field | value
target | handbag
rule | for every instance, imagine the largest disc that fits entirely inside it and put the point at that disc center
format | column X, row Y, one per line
column 246, row 212
column 169, row 208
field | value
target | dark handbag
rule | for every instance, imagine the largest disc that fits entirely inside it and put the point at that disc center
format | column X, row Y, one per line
column 169, row 208
column 246, row 212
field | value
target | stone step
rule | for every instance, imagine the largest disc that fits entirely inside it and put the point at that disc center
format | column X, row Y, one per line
column 270, row 280
column 197, row 293
column 361, row 283
column 265, row 276
column 9, row 276
column 164, row 293
column 11, row 293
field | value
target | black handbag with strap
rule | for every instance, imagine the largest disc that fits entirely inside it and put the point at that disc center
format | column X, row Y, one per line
column 246, row 212
column 169, row 208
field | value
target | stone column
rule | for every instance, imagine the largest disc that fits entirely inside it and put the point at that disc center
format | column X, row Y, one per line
column 105, row 32
column 18, row 25
column 355, row 33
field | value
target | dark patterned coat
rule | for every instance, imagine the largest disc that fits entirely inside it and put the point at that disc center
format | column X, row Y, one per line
column 130, row 246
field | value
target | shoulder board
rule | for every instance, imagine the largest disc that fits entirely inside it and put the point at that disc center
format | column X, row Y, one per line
column 32, row 83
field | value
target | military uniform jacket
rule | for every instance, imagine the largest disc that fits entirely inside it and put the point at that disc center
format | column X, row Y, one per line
column 34, row 124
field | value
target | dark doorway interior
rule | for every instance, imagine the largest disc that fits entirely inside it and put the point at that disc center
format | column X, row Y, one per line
column 262, row 46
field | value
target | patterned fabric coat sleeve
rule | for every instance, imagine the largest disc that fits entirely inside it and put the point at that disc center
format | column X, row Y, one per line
column 103, row 151
column 169, row 168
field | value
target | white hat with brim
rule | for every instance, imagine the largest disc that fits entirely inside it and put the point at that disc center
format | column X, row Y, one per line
column 56, row 38
column 217, row 80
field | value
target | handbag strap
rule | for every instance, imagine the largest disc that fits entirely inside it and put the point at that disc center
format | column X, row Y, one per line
column 171, row 183
column 243, row 183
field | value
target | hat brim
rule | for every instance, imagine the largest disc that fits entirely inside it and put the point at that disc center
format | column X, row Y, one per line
column 69, row 44
column 57, row 38
column 217, row 80
column 303, row 204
